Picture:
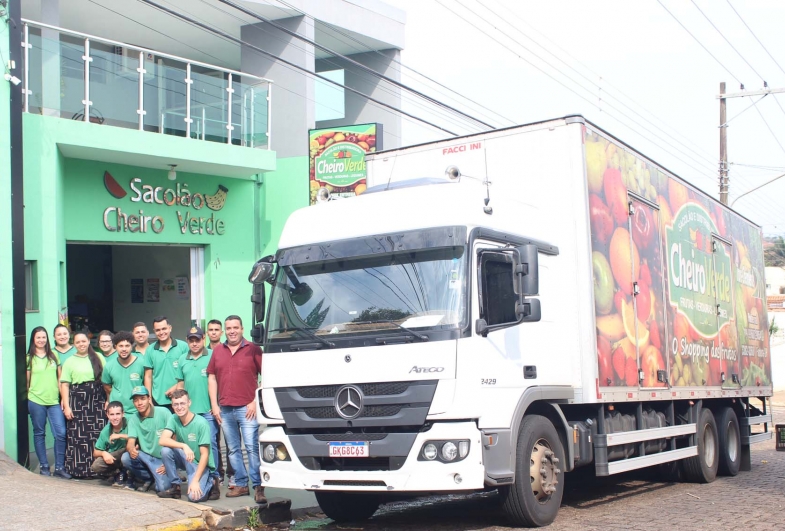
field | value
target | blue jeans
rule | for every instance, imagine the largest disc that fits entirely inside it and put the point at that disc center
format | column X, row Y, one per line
column 144, row 467
column 214, row 430
column 38, row 416
column 235, row 426
column 173, row 459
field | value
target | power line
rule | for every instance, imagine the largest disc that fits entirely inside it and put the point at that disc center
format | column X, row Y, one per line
column 701, row 44
column 770, row 130
column 756, row 37
column 700, row 171
column 290, row 64
column 729, row 43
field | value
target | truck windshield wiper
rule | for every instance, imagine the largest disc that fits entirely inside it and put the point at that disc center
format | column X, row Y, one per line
column 306, row 331
column 418, row 335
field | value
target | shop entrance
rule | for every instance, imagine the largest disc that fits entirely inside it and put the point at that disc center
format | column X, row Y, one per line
column 111, row 287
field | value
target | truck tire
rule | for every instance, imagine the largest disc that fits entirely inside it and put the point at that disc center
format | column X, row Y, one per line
column 347, row 506
column 729, row 437
column 702, row 468
column 534, row 499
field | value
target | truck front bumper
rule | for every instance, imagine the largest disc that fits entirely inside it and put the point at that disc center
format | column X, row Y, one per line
column 414, row 476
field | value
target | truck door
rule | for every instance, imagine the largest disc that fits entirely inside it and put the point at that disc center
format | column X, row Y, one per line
column 644, row 311
column 724, row 361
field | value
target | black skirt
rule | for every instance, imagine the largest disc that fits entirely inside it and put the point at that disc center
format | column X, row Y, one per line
column 87, row 404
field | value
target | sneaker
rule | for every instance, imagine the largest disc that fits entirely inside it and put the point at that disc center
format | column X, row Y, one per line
column 61, row 473
column 45, row 472
column 129, row 484
column 145, row 486
column 106, row 481
column 173, row 492
column 258, row 495
column 215, row 492
column 120, row 480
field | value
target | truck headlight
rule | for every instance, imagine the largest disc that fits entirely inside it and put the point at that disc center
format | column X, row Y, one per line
column 430, row 452
column 272, row 452
column 449, row 451
column 269, row 453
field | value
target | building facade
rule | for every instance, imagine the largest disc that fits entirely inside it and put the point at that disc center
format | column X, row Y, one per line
column 161, row 159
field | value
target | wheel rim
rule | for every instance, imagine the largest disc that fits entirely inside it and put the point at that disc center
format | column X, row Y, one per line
column 733, row 441
column 543, row 471
column 709, row 443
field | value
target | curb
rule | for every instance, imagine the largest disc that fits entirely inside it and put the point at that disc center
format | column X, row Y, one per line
column 277, row 510
column 306, row 512
column 186, row 524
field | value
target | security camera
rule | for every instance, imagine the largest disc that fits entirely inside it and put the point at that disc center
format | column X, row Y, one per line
column 13, row 79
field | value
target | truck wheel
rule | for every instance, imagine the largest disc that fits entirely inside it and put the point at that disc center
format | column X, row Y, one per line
column 730, row 442
column 347, row 506
column 534, row 499
column 702, row 468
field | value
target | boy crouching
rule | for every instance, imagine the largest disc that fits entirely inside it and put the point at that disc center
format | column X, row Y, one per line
column 189, row 450
column 110, row 447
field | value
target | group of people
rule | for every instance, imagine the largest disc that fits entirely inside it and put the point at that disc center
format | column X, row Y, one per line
column 137, row 412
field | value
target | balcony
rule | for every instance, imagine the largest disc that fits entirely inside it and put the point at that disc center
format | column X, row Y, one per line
column 76, row 76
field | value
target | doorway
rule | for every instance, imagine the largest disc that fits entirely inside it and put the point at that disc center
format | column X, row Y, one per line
column 111, row 287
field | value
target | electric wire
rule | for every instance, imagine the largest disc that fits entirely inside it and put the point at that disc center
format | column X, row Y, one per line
column 744, row 110
column 728, row 41
column 701, row 44
column 289, row 63
column 770, row 130
column 541, row 70
column 756, row 37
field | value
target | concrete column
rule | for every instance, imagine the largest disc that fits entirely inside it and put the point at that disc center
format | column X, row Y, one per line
column 293, row 108
column 360, row 109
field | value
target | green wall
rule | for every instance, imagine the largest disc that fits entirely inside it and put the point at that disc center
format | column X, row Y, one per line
column 284, row 191
column 7, row 364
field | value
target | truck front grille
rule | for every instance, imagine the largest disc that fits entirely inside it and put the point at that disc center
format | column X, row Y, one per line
column 367, row 412
column 368, row 389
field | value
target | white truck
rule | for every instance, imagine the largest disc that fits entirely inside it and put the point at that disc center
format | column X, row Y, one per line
column 499, row 309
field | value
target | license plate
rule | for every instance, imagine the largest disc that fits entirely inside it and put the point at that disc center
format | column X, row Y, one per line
column 349, row 449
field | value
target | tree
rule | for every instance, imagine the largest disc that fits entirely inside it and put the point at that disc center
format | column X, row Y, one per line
column 380, row 314
column 774, row 251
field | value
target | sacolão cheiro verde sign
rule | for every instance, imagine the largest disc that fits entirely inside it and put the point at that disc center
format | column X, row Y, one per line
column 337, row 158
column 699, row 271
column 191, row 218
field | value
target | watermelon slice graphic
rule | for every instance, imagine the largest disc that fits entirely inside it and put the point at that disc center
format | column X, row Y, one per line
column 113, row 187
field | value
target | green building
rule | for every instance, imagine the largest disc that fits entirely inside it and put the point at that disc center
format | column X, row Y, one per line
column 156, row 173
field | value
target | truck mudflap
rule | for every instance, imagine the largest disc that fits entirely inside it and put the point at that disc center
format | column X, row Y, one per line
column 415, row 475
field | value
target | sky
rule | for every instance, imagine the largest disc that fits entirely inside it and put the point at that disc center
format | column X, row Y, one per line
column 630, row 67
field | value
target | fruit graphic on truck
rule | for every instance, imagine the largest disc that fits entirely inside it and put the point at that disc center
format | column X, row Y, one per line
column 218, row 199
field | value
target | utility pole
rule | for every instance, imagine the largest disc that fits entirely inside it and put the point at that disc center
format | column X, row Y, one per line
column 765, row 91
column 723, row 148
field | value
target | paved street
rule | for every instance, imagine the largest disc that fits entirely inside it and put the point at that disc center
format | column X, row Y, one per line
column 753, row 500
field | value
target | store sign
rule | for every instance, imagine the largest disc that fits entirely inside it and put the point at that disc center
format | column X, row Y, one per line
column 190, row 217
column 337, row 158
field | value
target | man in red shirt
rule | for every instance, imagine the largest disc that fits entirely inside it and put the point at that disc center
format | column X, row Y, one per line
column 232, row 378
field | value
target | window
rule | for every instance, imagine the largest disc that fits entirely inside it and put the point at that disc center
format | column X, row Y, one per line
column 498, row 297
column 330, row 99
column 31, row 286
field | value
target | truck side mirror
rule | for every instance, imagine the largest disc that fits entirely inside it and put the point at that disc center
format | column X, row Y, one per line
column 262, row 270
column 258, row 303
column 527, row 270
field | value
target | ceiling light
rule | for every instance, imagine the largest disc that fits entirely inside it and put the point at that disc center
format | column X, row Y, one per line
column 172, row 173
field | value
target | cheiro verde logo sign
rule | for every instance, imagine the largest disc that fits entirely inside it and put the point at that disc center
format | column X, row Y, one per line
column 699, row 272
column 341, row 164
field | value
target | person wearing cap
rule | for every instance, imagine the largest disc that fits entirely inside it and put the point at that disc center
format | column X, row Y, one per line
column 145, row 427
column 191, row 374
column 123, row 372
column 160, row 362
column 191, row 450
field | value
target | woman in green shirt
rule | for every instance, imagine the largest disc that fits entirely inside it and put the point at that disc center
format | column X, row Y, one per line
column 106, row 345
column 63, row 347
column 43, row 400
column 83, row 399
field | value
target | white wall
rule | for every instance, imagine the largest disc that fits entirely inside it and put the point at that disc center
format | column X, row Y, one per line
column 132, row 261
column 775, row 279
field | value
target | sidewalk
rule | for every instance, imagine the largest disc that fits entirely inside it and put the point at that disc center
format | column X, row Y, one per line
column 31, row 501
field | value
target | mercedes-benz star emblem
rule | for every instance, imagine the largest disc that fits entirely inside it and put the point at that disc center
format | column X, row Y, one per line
column 349, row 402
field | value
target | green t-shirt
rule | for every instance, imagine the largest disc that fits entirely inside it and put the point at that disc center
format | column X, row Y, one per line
column 103, row 443
column 65, row 355
column 110, row 357
column 163, row 365
column 78, row 369
column 147, row 431
column 123, row 380
column 194, row 373
column 137, row 352
column 195, row 434
column 44, row 387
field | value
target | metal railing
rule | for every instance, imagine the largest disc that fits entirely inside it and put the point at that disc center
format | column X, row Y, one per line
column 79, row 76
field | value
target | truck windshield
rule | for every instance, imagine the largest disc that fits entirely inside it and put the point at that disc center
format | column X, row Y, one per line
column 422, row 289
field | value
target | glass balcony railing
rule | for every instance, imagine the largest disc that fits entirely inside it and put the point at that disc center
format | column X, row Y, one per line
column 81, row 77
